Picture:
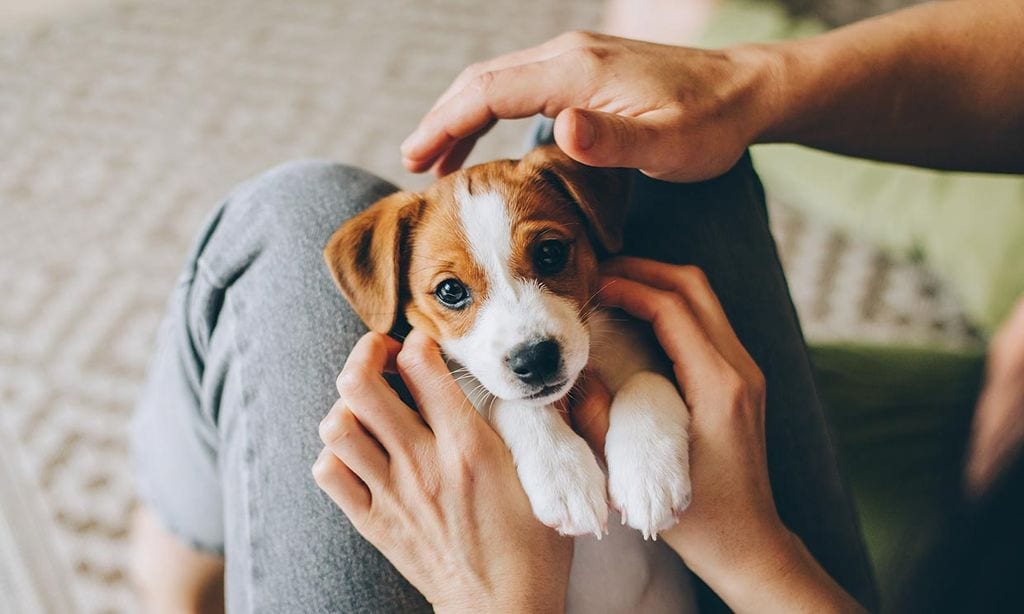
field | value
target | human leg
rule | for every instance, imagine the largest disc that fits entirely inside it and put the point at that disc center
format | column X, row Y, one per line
column 226, row 430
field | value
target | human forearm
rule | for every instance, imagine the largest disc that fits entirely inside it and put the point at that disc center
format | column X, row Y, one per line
column 768, row 570
column 937, row 85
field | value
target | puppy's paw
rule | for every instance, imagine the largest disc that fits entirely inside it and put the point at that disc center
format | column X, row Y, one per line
column 566, row 488
column 647, row 450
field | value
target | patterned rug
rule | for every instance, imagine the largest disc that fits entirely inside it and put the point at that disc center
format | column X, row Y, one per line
column 123, row 126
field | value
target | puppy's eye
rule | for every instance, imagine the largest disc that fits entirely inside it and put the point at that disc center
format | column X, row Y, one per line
column 549, row 256
column 452, row 294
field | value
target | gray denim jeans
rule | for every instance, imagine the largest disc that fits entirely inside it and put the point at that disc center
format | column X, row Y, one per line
column 225, row 431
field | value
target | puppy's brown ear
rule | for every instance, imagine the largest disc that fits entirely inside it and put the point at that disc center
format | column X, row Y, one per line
column 366, row 254
column 602, row 194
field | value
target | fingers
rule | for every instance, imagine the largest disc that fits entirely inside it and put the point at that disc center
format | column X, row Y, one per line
column 341, row 432
column 366, row 393
column 515, row 93
column 538, row 53
column 690, row 283
column 695, row 359
column 452, row 160
column 441, row 402
column 342, row 486
column 510, row 93
column 596, row 138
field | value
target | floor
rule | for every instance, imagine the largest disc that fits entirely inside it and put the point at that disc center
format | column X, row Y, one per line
column 125, row 122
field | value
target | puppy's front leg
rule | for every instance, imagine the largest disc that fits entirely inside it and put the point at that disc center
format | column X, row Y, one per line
column 648, row 453
column 558, row 470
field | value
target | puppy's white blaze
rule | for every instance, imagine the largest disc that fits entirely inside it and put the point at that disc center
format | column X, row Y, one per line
column 515, row 310
column 488, row 230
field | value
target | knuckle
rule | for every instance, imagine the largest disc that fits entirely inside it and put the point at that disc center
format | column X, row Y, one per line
column 759, row 384
column 335, row 433
column 402, row 449
column 757, row 387
column 669, row 302
column 377, row 341
column 473, row 69
column 578, row 38
column 588, row 56
column 322, row 472
column 411, row 358
column 483, row 81
column 351, row 383
column 692, row 276
column 338, row 438
column 735, row 389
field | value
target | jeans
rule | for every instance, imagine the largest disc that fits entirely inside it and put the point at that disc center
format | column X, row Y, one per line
column 225, row 430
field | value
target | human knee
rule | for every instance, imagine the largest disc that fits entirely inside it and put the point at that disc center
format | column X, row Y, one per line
column 305, row 200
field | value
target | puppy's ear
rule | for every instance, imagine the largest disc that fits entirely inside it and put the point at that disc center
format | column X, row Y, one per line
column 366, row 256
column 602, row 194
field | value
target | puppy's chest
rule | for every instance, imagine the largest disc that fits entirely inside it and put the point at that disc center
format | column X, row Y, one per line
column 621, row 346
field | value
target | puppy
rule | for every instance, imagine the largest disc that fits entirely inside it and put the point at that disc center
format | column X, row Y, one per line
column 499, row 264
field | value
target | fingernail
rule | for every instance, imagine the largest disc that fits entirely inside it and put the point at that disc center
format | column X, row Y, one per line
column 585, row 133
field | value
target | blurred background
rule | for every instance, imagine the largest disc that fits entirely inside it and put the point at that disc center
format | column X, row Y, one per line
column 122, row 122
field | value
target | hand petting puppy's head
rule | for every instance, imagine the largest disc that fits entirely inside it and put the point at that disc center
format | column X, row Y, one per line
column 497, row 262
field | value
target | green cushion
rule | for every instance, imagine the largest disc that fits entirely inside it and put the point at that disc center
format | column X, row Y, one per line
column 968, row 228
column 899, row 418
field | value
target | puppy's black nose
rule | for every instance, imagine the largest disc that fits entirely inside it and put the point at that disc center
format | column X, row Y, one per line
column 535, row 362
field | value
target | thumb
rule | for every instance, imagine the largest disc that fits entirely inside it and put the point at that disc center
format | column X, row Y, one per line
column 603, row 139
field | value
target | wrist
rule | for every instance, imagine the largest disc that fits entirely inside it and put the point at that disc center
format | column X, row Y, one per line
column 776, row 573
column 520, row 603
column 740, row 568
column 535, row 596
column 768, row 69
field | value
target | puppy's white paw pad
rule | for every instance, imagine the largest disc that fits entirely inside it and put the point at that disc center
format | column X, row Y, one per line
column 650, row 500
column 648, row 454
column 568, row 492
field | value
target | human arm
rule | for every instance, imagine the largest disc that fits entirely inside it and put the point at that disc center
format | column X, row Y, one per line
column 731, row 535
column 936, row 85
column 436, row 491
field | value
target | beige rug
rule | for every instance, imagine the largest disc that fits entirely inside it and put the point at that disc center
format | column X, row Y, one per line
column 122, row 126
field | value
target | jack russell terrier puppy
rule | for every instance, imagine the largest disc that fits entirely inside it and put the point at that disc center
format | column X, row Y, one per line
column 498, row 263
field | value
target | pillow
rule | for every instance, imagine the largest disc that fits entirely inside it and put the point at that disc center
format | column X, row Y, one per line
column 968, row 228
column 899, row 418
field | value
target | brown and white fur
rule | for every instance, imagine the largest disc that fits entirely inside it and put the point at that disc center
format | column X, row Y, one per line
column 522, row 334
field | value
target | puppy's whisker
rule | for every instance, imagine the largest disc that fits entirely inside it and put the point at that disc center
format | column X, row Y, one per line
column 592, row 297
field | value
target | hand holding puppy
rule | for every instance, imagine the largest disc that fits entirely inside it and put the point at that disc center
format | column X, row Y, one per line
column 731, row 535
column 436, row 491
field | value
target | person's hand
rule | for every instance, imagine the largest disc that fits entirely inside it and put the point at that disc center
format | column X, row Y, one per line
column 675, row 113
column 436, row 491
column 997, row 431
column 731, row 535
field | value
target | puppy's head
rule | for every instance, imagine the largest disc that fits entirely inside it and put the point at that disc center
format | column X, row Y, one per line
column 497, row 262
